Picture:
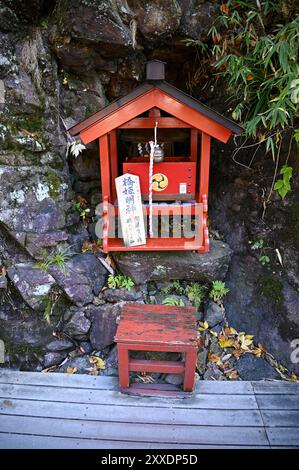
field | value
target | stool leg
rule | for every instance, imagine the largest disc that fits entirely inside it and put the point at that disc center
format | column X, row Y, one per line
column 190, row 364
column 123, row 367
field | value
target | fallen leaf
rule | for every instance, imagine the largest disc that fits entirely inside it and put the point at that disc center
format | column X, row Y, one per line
column 224, row 8
column 92, row 370
column 98, row 361
column 71, row 370
column 226, row 357
column 146, row 378
column 233, row 374
column 225, row 342
column 257, row 352
column 245, row 341
column 203, row 326
column 229, row 330
column 215, row 358
column 294, row 377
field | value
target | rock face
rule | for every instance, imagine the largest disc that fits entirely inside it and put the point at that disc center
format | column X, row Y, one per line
column 205, row 267
column 61, row 61
column 103, row 324
column 81, row 279
column 252, row 368
column 78, row 325
column 33, row 284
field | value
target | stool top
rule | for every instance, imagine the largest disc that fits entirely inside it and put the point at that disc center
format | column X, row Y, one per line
column 157, row 324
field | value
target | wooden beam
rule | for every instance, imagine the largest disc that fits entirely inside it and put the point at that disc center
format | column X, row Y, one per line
column 105, row 167
column 154, row 112
column 162, row 100
column 204, row 165
column 193, row 144
column 149, row 123
column 113, row 161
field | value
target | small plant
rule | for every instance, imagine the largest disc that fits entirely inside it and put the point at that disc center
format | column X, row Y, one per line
column 196, row 293
column 83, row 211
column 58, row 259
column 283, row 186
column 173, row 301
column 74, row 148
column 264, row 260
column 218, row 291
column 257, row 245
column 118, row 281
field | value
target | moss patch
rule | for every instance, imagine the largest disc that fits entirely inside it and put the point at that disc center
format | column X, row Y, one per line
column 54, row 184
column 271, row 289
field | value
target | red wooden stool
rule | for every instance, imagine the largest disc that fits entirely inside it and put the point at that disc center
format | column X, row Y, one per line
column 157, row 328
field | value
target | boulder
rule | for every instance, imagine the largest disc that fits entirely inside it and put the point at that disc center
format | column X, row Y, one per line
column 265, row 305
column 91, row 30
column 251, row 367
column 54, row 358
column 78, row 325
column 161, row 265
column 213, row 314
column 118, row 295
column 60, row 345
column 198, row 19
column 157, row 19
column 174, row 379
column 3, row 282
column 104, row 320
column 81, row 279
column 33, row 284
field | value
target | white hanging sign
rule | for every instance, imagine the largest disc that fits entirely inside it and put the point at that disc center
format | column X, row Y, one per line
column 130, row 209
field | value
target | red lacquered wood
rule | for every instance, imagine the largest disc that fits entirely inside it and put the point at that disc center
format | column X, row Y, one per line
column 190, row 116
column 157, row 328
column 193, row 144
column 162, row 100
column 118, row 117
column 190, row 365
column 149, row 123
column 176, row 172
column 105, row 166
column 160, row 244
column 154, row 112
column 123, row 369
column 113, row 161
column 168, row 367
column 204, row 165
column 157, row 323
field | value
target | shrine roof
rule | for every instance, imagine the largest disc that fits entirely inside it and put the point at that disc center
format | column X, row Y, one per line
column 167, row 88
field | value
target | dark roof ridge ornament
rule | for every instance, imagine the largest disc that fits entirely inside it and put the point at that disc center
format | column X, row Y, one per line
column 155, row 70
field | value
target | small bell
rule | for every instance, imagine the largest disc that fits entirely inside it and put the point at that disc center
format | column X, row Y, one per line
column 158, row 154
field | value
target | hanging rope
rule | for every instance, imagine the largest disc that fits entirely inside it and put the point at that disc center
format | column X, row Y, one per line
column 150, row 196
column 153, row 145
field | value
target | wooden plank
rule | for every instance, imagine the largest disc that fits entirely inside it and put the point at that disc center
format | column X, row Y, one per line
column 278, row 402
column 149, row 123
column 132, row 414
column 134, row 432
column 276, row 418
column 233, row 387
column 58, row 380
column 8, row 376
column 275, row 388
column 24, row 441
column 230, row 402
column 283, row 436
column 170, row 367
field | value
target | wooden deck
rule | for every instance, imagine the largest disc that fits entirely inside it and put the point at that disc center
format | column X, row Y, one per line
column 79, row 411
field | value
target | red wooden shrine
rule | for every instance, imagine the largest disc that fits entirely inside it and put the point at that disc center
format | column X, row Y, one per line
column 181, row 180
column 157, row 328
